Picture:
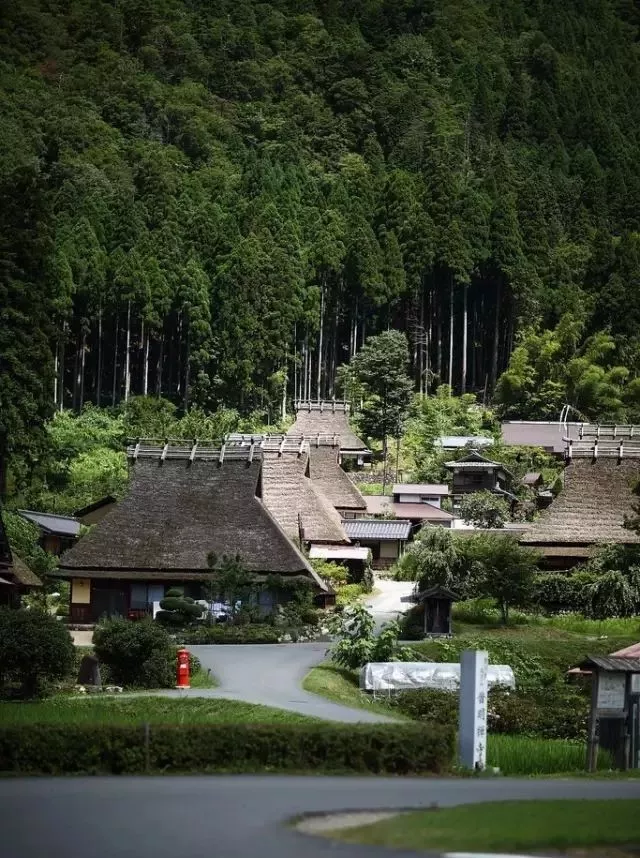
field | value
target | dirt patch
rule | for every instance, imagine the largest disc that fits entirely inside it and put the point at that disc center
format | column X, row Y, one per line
column 322, row 824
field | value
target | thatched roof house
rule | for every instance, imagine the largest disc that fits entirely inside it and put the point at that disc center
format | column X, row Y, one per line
column 328, row 422
column 597, row 497
column 184, row 502
column 16, row 579
column 333, row 482
column 295, row 501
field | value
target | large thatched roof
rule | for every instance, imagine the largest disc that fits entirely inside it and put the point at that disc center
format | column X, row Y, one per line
column 12, row 568
column 295, row 501
column 332, row 481
column 181, row 508
column 327, row 420
column 592, row 507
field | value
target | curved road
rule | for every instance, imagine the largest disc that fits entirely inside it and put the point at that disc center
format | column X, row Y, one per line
column 271, row 674
column 232, row 816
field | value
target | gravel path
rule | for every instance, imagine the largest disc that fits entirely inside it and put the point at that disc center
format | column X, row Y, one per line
column 232, row 817
column 271, row 674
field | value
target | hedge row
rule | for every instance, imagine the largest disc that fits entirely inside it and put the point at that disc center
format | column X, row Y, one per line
column 223, row 634
column 555, row 591
column 81, row 749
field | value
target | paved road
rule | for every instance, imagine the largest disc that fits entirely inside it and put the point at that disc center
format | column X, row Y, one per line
column 232, row 816
column 386, row 604
column 271, row 674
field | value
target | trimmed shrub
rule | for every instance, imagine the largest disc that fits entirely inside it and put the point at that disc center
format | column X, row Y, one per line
column 227, row 634
column 381, row 749
column 35, row 649
column 555, row 592
column 178, row 610
column 139, row 655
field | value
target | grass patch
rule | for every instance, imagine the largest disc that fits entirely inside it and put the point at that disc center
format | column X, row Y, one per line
column 341, row 685
column 521, row 755
column 203, row 679
column 138, row 710
column 508, row 827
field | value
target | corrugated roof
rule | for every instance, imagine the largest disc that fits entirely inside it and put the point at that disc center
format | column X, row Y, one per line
column 592, row 507
column 420, row 489
column 295, row 500
column 60, row 525
column 531, row 478
column 92, row 507
column 177, row 512
column 377, row 528
column 549, row 435
column 378, row 504
column 326, row 418
column 421, row 511
column 455, row 442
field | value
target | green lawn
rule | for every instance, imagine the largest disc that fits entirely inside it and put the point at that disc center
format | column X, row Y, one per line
column 341, row 685
column 508, row 827
column 140, row 709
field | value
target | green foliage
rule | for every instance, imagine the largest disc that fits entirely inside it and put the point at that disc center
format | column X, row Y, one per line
column 231, row 634
column 504, row 569
column 334, row 574
column 557, row 591
column 138, row 655
column 24, row 539
column 435, row 557
column 35, row 650
column 230, row 582
column 199, row 199
column 484, row 509
column 357, row 644
column 357, row 748
column 381, row 367
column 178, row 610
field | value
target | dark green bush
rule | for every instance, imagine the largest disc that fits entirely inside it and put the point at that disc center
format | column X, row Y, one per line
column 555, row 591
column 35, row 649
column 228, row 634
column 398, row 749
column 428, row 704
column 139, row 654
column 178, row 610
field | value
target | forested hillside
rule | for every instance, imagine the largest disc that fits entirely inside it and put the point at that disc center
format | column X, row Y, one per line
column 218, row 200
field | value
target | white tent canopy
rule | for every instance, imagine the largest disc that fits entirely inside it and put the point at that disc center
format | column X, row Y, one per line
column 408, row 675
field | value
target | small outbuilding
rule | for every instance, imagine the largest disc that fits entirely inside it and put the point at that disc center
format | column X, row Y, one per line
column 436, row 604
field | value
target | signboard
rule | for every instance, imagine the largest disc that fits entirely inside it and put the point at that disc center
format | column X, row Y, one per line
column 474, row 669
column 611, row 688
column 80, row 591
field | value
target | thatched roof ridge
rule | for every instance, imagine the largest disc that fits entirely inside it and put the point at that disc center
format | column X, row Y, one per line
column 592, row 507
column 177, row 512
column 326, row 419
column 332, row 481
column 288, row 493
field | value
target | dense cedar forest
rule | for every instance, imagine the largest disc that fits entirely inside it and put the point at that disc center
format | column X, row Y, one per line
column 219, row 200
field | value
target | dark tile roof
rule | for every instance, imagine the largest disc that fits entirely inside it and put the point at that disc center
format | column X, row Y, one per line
column 92, row 507
column 289, row 493
column 176, row 512
column 377, row 528
column 60, row 525
column 592, row 507
column 332, row 481
column 326, row 418
column 611, row 663
column 473, row 460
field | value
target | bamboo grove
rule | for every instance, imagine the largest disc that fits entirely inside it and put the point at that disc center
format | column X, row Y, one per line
column 219, row 200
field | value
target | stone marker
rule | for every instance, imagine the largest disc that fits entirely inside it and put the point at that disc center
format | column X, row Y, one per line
column 89, row 673
column 474, row 669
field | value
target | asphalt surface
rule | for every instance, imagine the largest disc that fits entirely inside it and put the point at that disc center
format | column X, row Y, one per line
column 232, row 816
column 386, row 603
column 271, row 674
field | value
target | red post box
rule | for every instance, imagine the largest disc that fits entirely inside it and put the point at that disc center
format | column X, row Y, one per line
column 182, row 671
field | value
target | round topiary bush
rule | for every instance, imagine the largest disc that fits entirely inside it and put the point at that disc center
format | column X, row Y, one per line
column 35, row 650
column 137, row 654
column 178, row 610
